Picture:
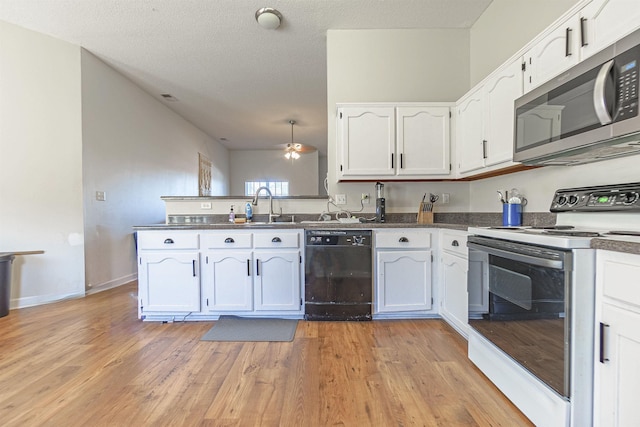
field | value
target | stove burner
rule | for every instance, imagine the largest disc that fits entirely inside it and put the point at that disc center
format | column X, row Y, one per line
column 624, row 233
column 573, row 233
column 553, row 227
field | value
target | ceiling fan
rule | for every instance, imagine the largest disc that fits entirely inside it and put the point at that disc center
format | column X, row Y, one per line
column 293, row 150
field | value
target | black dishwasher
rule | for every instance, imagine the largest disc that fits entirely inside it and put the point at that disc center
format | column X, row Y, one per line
column 338, row 275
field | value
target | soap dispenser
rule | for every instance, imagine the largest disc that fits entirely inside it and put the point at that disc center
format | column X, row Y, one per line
column 232, row 215
column 248, row 210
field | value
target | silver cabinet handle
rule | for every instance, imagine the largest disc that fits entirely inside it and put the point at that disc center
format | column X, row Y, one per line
column 229, row 240
column 602, row 329
column 403, row 240
column 168, row 241
column 276, row 240
column 484, row 148
column 583, row 32
column 194, row 267
column 567, row 48
column 455, row 243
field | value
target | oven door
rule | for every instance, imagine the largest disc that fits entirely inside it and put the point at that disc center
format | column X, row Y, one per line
column 528, row 313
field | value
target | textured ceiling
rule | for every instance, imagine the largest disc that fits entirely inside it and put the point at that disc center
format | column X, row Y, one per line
column 232, row 78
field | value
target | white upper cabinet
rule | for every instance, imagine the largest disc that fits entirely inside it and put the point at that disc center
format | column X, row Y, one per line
column 500, row 92
column 422, row 140
column 470, row 150
column 606, row 21
column 597, row 25
column 554, row 53
column 366, row 137
column 393, row 141
column 485, row 121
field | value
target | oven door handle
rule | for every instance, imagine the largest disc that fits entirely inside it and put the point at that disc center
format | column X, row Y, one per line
column 542, row 262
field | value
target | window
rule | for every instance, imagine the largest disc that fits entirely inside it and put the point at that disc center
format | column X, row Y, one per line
column 277, row 188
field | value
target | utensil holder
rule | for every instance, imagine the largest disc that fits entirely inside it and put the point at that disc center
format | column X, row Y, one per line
column 511, row 214
column 425, row 216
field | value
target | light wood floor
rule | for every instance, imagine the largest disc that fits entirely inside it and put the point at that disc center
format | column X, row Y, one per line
column 91, row 362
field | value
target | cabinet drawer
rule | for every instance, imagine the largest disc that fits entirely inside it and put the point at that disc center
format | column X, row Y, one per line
column 231, row 240
column 403, row 238
column 454, row 243
column 277, row 239
column 619, row 272
column 167, row 240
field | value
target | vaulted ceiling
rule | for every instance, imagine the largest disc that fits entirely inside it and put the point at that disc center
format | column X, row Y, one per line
column 238, row 82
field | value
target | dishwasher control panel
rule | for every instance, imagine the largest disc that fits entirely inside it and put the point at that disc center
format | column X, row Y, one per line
column 338, row 237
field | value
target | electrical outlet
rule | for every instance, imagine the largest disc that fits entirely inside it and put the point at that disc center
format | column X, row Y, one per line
column 365, row 198
column 341, row 199
column 445, row 198
column 101, row 196
column 205, row 205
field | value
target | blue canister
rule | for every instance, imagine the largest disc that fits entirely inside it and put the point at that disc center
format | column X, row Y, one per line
column 511, row 214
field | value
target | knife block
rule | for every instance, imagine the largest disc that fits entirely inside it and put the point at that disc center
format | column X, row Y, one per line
column 424, row 216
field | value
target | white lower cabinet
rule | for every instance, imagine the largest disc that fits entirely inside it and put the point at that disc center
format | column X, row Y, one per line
column 617, row 353
column 403, row 272
column 228, row 281
column 201, row 275
column 454, row 265
column 265, row 276
column 277, row 280
column 169, row 282
column 168, row 273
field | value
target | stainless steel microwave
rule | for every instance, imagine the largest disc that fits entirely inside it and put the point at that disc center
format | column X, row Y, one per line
column 587, row 114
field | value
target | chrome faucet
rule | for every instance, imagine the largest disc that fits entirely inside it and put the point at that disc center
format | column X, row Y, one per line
column 255, row 202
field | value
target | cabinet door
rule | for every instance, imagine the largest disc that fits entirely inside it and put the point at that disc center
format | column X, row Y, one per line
column 455, row 307
column 403, row 281
column 169, row 281
column 553, row 54
column 277, row 280
column 606, row 21
column 499, row 93
column 618, row 388
column 470, row 150
column 228, row 281
column 367, row 141
column 423, row 140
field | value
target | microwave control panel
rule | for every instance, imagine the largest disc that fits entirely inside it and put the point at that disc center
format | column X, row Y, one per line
column 627, row 64
column 602, row 198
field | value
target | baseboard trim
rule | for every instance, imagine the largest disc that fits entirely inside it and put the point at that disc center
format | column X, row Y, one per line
column 94, row 289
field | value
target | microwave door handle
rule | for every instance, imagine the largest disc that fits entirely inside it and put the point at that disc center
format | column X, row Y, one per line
column 599, row 95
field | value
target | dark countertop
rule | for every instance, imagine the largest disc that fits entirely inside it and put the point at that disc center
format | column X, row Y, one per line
column 626, row 244
column 297, row 225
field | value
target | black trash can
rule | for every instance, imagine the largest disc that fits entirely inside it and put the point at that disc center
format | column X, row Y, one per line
column 5, row 282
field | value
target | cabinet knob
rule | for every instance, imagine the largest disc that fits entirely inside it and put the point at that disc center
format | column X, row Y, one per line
column 168, row 241
column 229, row 240
column 455, row 243
column 403, row 240
column 276, row 240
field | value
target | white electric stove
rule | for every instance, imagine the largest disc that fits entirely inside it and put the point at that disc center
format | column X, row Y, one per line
column 534, row 337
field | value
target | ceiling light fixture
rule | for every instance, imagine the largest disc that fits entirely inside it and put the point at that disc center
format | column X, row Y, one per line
column 268, row 18
column 291, row 151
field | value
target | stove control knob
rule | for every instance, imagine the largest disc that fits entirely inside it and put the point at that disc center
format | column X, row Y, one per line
column 573, row 199
column 629, row 198
column 562, row 200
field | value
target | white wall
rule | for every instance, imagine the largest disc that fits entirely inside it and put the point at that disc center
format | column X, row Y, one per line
column 258, row 165
column 136, row 150
column 395, row 66
column 41, row 164
column 505, row 27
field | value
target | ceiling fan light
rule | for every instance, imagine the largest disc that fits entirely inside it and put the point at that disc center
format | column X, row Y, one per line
column 295, row 155
column 268, row 18
column 287, row 155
